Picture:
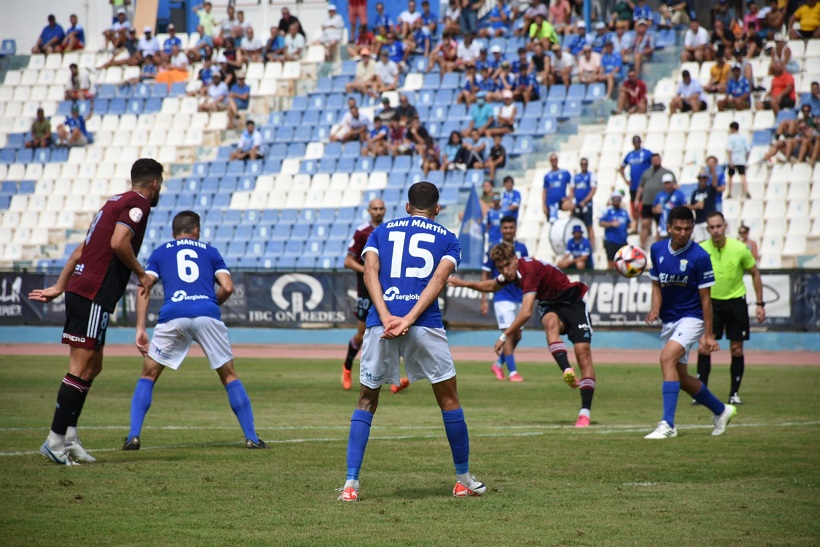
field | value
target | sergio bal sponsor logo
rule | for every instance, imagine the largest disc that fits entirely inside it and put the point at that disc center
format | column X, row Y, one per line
column 393, row 294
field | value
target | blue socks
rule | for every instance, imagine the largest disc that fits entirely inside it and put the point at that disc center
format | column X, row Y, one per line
column 360, row 423
column 459, row 439
column 670, row 392
column 511, row 363
column 708, row 400
column 241, row 406
column 140, row 404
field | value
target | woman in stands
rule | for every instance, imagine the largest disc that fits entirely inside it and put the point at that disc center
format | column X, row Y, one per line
column 743, row 236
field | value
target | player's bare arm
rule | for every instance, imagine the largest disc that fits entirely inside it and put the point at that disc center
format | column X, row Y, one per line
column 706, row 303
column 374, row 287
column 485, row 304
column 121, row 245
column 50, row 293
column 427, row 297
column 143, row 298
column 757, row 283
column 352, row 264
column 485, row 285
column 657, row 299
column 225, row 290
column 524, row 314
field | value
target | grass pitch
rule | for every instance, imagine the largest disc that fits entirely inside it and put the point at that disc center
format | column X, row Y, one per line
column 548, row 484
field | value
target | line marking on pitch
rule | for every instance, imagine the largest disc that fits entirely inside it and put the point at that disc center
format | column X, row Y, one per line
column 590, row 430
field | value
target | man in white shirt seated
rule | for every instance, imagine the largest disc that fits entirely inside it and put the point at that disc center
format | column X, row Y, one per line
column 216, row 97
column 690, row 97
column 365, row 75
column 116, row 35
column 294, row 43
column 696, row 44
column 467, row 52
column 354, row 127
column 252, row 46
column 407, row 18
column 332, row 30
column 387, row 74
column 249, row 146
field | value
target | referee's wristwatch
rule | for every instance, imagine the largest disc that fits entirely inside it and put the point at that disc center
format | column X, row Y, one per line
column 761, row 304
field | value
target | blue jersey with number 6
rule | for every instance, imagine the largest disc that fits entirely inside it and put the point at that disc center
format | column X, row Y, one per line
column 187, row 269
column 410, row 249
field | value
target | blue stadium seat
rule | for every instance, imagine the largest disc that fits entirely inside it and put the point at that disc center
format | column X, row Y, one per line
column 306, row 262
column 143, row 91
column 246, row 183
column 212, row 216
column 8, row 187
column 308, row 167
column 15, row 140
column 177, row 89
column 5, row 201
column 106, row 91
column 528, row 126
column 303, row 134
column 276, row 118
column 232, row 216
column 401, row 164
column 436, row 177
column 534, row 109
column 449, row 126
column 294, row 247
column 316, row 102
column 280, row 232
column 117, row 107
column 382, row 163
column 432, row 81
column 223, row 235
column 235, row 168
column 576, row 92
column 185, row 201
column 296, row 150
column 327, row 165
column 289, row 216
column 286, row 263
column 474, row 177
column 320, row 231
column 42, row 155
column 314, row 247
column 244, row 232
column 278, row 150
column 204, row 201
column 124, row 91
column 25, row 155
column 340, row 82
column 426, row 97
column 572, row 109
column 135, row 106
column 523, row 145
column 333, row 149
column 26, row 187
column 252, row 216
column 784, row 115
column 256, row 249
column 451, row 80
column 324, row 85
column 452, row 178
column 393, row 195
column 268, row 134
column 553, row 108
column 272, row 166
column 364, row 165
column 262, row 231
column 325, row 215
column 320, row 132
column 419, row 64
column 253, row 167
column 300, row 231
column 8, row 47
column 595, row 92
column 285, row 134
column 218, row 168
column 223, row 153
column 200, row 169
column 349, row 68
column 396, row 179
column 306, row 216
column 336, row 102
column 449, row 196
column 346, row 214
column 547, row 125
column 269, row 216
column 311, row 117
column 557, row 93
column 444, row 96
column 440, row 111
column 7, row 155
column 236, row 249
column 762, row 137
column 459, row 112
column 293, row 118
column 300, row 102
column 59, row 155
column 433, row 128
column 152, row 105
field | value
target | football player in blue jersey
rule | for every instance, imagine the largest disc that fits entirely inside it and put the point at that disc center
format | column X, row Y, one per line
column 554, row 195
column 666, row 200
column 584, row 186
column 188, row 270
column 638, row 159
column 681, row 276
column 407, row 263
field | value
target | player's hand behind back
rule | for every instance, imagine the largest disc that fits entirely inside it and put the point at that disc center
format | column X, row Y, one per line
column 395, row 327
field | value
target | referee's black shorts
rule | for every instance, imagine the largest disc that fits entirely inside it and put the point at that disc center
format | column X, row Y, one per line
column 732, row 316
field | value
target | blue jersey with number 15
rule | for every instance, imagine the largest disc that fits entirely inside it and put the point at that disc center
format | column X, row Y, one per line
column 187, row 269
column 410, row 249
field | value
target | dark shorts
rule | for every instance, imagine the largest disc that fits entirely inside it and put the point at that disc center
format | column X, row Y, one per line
column 574, row 317
column 85, row 323
column 739, row 169
column 785, row 102
column 612, row 248
column 687, row 106
column 731, row 316
column 363, row 304
column 585, row 214
column 633, row 194
column 646, row 212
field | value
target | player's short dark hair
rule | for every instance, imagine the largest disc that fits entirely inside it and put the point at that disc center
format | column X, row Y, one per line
column 502, row 252
column 185, row 223
column 734, row 125
column 423, row 196
column 508, row 218
column 681, row 213
column 145, row 171
column 716, row 214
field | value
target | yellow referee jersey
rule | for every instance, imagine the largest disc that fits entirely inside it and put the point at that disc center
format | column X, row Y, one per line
column 729, row 264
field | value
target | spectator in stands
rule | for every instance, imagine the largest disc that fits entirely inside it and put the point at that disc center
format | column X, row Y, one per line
column 216, row 97
column 357, row 14
column 469, row 15
column 376, row 143
column 745, row 64
column 611, row 64
column 407, row 18
column 50, row 38
column 497, row 158
column 420, row 40
column 492, row 221
column 226, row 25
column 332, row 30
column 148, row 71
column 397, row 141
column 455, row 155
column 79, row 85
column 717, row 178
column 602, row 36
column 444, row 54
column 507, row 113
column 73, row 132
column 563, row 67
column 365, row 78
column 632, row 96
column 364, row 40
column 74, row 36
column 275, row 47
column 718, row 75
column 482, row 116
column 175, row 68
column 287, row 20
column 498, row 21
column 782, row 53
column 578, row 253
column 589, row 66
column 689, row 97
column 116, row 5
column 737, row 154
column 522, row 61
column 428, row 18
column 541, row 64
column 234, row 60
column 638, row 159
column 674, row 13
column 696, row 44
column 172, row 40
column 615, row 223
column 738, row 91
column 475, row 147
column 451, row 21
column 703, row 201
column 722, row 39
column 205, row 77
column 383, row 19
column 807, row 17
column 579, row 39
column 387, row 74
column 203, row 48
column 775, row 17
column 724, row 13
column 417, row 134
column 752, row 29
column 582, row 189
column 743, row 236
column 249, row 146
column 560, row 15
column 387, row 111
column 782, row 93
column 240, row 27
column 666, row 200
column 541, row 32
column 536, row 7
column 138, row 50
column 554, row 195
column 406, row 112
column 397, row 52
column 639, row 48
column 510, row 197
column 239, row 97
column 40, row 131
column 467, row 51
column 432, row 157
column 648, row 189
column 252, row 47
column 294, row 43
column 207, row 20
column 486, row 196
column 620, row 18
column 353, row 127
column 526, row 87
column 115, row 36
column 642, row 12
column 809, row 144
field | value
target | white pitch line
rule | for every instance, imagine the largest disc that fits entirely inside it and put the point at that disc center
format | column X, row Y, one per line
column 590, row 430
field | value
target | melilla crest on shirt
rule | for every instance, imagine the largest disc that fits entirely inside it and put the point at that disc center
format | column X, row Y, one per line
column 683, row 264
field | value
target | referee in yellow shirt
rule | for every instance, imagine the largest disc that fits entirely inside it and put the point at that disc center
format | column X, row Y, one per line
column 730, row 260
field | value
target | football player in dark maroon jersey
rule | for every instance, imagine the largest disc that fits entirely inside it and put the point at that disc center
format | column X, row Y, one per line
column 561, row 308
column 94, row 280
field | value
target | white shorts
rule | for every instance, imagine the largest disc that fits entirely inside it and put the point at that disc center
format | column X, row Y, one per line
column 172, row 341
column 426, row 357
column 686, row 332
column 700, row 233
column 505, row 312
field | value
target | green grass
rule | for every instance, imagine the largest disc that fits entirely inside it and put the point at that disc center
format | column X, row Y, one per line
column 548, row 483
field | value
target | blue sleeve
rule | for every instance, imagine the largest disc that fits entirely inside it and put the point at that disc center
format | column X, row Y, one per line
column 586, row 248
column 524, row 251
column 153, row 265
column 219, row 262
column 372, row 242
column 653, row 270
column 546, row 182
column 607, row 216
column 705, row 272
column 516, row 197
column 488, row 264
column 453, row 251
column 658, row 199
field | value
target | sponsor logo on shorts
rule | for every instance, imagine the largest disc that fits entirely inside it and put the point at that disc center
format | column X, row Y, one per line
column 583, row 326
column 179, row 296
column 393, row 294
column 72, row 338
